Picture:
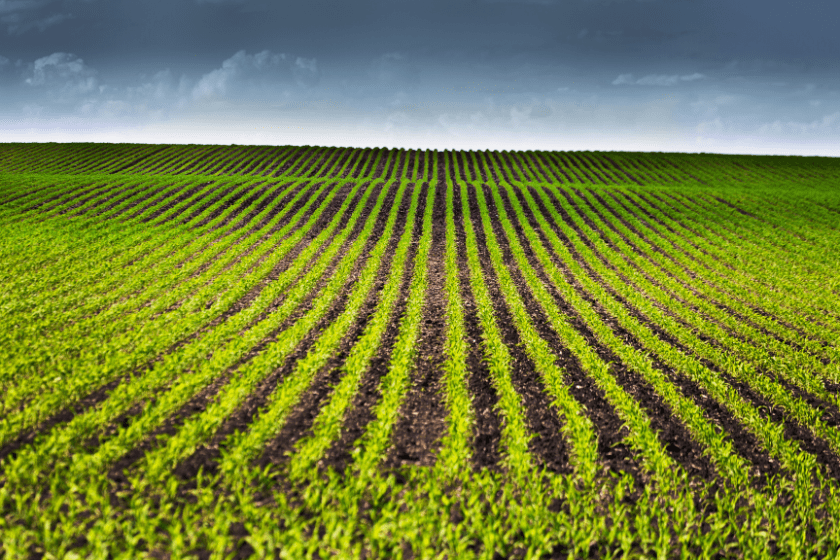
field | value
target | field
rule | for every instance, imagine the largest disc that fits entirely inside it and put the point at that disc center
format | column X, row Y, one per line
column 234, row 351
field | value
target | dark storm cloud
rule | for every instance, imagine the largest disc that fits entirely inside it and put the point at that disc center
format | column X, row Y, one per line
column 690, row 74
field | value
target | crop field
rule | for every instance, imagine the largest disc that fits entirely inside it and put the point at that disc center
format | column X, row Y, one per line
column 254, row 351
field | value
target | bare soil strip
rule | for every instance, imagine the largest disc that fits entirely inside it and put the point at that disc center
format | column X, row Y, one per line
column 487, row 430
column 674, row 436
column 102, row 393
column 723, row 307
column 243, row 417
column 361, row 410
column 422, row 422
column 548, row 444
column 300, row 420
column 609, row 427
column 806, row 439
column 744, row 441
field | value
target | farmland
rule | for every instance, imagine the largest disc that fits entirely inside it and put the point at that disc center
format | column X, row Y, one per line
column 234, row 351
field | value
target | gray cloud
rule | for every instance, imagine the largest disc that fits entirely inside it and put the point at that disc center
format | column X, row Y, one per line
column 63, row 76
column 263, row 73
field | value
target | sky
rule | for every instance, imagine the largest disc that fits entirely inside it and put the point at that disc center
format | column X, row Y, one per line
column 725, row 76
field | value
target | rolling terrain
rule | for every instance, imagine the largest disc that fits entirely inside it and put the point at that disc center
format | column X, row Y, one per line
column 236, row 351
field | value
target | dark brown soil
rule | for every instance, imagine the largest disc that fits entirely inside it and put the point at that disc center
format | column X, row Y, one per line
column 207, row 455
column 284, row 162
column 622, row 169
column 422, row 158
column 673, row 435
column 364, row 170
column 610, row 428
column 564, row 165
column 196, row 209
column 175, row 201
column 463, row 170
column 102, row 393
column 487, row 430
column 222, row 164
column 34, row 193
column 349, row 167
column 548, row 444
column 378, row 173
column 423, row 413
column 185, row 162
column 361, row 411
column 86, row 199
column 343, row 156
column 258, row 163
column 549, row 167
column 410, row 164
column 744, row 441
column 138, row 160
column 238, row 202
column 793, row 344
column 67, row 195
column 301, row 419
column 309, row 158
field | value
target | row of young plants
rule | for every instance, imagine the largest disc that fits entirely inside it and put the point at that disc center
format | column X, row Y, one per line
column 234, row 285
column 607, row 266
column 725, row 271
column 794, row 459
column 616, row 259
column 720, row 284
column 297, row 380
column 112, row 330
column 709, row 320
column 225, row 344
column 755, row 264
column 575, row 167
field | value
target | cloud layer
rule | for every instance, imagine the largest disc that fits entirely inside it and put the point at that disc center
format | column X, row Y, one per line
column 633, row 74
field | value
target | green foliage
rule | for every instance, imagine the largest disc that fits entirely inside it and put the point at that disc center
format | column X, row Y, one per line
column 171, row 314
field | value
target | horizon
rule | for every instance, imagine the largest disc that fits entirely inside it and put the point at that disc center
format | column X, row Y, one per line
column 385, row 147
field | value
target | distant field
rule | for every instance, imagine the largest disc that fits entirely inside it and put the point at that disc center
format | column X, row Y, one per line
column 233, row 351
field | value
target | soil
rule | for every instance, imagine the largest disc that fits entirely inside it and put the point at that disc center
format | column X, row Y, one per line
column 102, row 393
column 361, row 411
column 207, row 454
column 302, row 417
column 422, row 419
column 675, row 437
column 744, row 441
column 423, row 413
column 548, row 444
column 66, row 196
column 487, row 430
column 137, row 160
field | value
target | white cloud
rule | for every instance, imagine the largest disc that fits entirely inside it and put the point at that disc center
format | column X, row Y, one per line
column 63, row 75
column 826, row 124
column 305, row 71
column 623, row 79
column 656, row 79
column 244, row 74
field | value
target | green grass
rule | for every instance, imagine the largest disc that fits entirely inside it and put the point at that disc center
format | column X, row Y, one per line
column 171, row 316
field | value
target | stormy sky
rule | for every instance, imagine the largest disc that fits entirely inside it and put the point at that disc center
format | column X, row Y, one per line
column 730, row 76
